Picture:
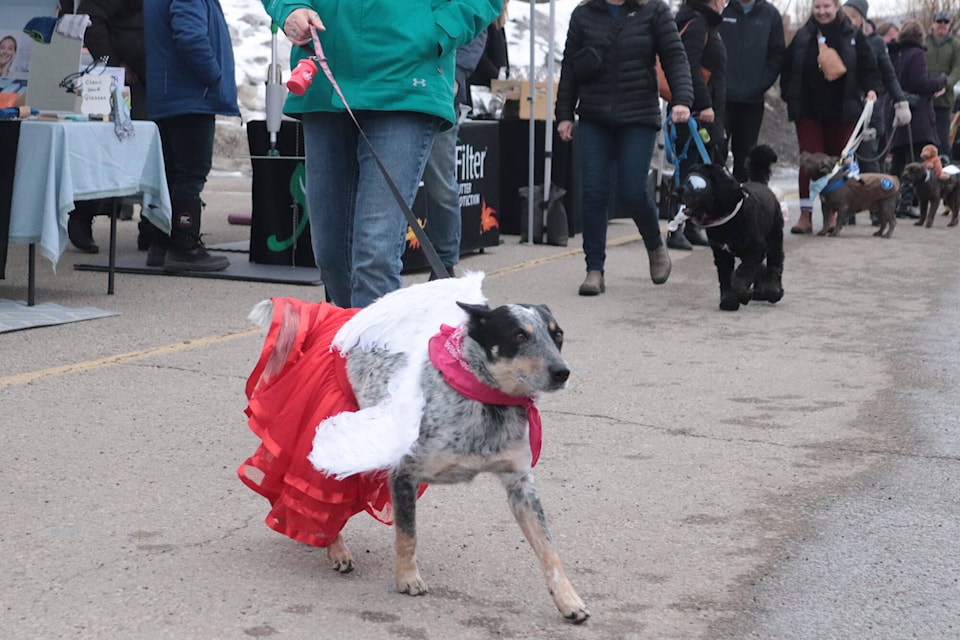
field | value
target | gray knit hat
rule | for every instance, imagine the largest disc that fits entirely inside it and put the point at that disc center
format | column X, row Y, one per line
column 862, row 6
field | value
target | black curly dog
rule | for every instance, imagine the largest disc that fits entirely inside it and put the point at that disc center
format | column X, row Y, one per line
column 741, row 221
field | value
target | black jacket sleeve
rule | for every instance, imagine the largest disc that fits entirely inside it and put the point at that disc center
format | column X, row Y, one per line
column 694, row 38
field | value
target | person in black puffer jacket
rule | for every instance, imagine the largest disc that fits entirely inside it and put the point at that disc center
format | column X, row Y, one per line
column 619, row 116
column 910, row 64
column 699, row 20
column 825, row 112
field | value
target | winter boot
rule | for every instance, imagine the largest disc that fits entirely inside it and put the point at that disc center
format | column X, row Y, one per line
column 805, row 223
column 677, row 240
column 80, row 232
column 185, row 250
column 659, row 264
column 693, row 235
column 145, row 232
column 157, row 251
column 906, row 207
column 593, row 284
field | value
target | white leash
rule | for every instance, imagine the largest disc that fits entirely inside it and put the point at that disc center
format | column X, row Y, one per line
column 857, row 136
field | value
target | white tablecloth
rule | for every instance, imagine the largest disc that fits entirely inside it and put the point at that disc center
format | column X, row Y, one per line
column 60, row 162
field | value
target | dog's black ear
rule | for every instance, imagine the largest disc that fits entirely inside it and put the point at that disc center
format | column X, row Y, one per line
column 477, row 312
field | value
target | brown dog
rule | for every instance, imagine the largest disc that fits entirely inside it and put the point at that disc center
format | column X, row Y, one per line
column 930, row 189
column 950, row 193
column 844, row 196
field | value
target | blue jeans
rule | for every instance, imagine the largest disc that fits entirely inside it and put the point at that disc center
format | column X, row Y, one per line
column 632, row 148
column 443, row 197
column 358, row 229
column 187, row 143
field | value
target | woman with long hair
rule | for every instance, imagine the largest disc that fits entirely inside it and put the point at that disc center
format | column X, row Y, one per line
column 910, row 64
column 826, row 109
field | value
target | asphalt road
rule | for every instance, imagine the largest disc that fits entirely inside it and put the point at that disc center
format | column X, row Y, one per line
column 785, row 471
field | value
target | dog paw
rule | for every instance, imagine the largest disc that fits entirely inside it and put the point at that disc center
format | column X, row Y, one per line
column 729, row 303
column 771, row 295
column 411, row 585
column 572, row 607
column 775, row 296
column 339, row 555
column 343, row 566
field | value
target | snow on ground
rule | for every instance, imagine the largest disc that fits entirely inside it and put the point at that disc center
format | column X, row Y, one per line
column 250, row 31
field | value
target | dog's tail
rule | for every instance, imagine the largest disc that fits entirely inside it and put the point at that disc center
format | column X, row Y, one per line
column 262, row 315
column 759, row 162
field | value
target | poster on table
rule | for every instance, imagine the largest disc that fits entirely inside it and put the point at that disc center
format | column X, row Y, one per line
column 16, row 47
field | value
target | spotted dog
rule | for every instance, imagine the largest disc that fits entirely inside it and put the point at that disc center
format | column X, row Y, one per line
column 473, row 386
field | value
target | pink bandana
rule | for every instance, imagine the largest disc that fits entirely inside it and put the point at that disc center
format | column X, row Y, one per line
column 446, row 355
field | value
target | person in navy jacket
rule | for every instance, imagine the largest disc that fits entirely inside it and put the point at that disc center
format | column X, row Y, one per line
column 190, row 80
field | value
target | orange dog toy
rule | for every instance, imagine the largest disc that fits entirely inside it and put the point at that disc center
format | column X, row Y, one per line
column 931, row 160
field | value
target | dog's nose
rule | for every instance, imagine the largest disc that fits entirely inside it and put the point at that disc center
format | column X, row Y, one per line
column 559, row 374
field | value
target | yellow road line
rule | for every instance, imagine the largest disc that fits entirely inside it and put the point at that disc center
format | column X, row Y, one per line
column 572, row 253
column 134, row 356
column 123, row 358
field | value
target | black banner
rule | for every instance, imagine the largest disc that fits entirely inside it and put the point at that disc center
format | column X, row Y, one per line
column 279, row 227
column 478, row 174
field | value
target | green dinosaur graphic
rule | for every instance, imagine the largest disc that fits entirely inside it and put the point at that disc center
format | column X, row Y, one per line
column 297, row 192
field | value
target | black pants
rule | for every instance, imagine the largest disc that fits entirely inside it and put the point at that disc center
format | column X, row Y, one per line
column 743, row 121
column 900, row 156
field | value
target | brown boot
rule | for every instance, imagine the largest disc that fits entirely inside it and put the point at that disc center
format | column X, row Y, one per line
column 660, row 264
column 805, row 223
column 593, row 284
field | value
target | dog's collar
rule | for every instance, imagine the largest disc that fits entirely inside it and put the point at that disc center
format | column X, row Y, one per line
column 446, row 354
column 725, row 219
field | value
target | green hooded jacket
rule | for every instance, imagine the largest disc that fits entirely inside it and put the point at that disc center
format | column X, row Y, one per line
column 944, row 58
column 387, row 55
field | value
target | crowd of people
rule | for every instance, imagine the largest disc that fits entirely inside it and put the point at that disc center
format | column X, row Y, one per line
column 719, row 58
column 731, row 55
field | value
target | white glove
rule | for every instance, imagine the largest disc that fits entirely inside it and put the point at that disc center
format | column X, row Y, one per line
column 901, row 114
column 73, row 25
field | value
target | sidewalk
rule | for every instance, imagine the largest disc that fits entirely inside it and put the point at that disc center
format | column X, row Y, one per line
column 691, row 453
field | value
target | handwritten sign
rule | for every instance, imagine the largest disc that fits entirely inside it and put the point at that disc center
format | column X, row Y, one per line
column 96, row 95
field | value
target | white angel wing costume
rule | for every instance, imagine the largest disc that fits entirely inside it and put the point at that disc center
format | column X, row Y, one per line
column 402, row 322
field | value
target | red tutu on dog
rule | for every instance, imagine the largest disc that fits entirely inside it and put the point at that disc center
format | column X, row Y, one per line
column 306, row 505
